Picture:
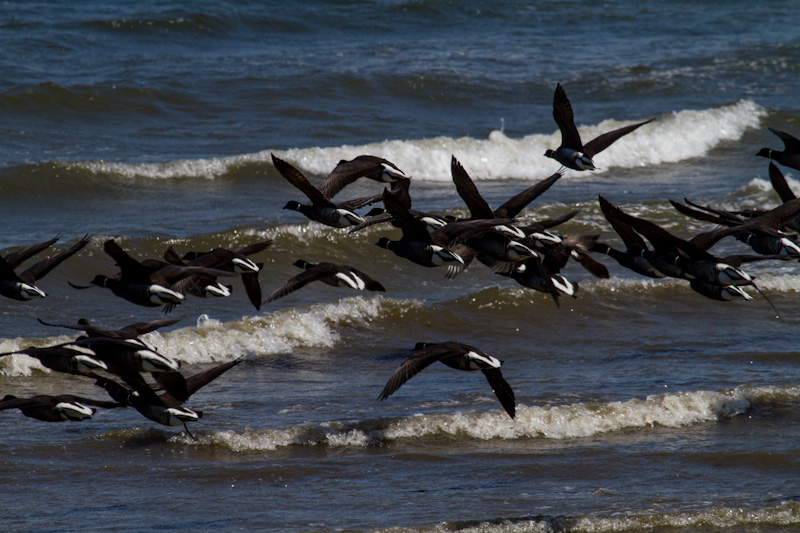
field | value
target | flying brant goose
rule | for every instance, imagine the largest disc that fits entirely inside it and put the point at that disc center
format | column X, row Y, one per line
column 543, row 274
column 636, row 250
column 572, row 153
column 364, row 166
column 22, row 286
column 333, row 274
column 59, row 408
column 690, row 258
column 380, row 215
column 790, row 156
column 65, row 358
column 455, row 355
column 320, row 208
column 429, row 249
column 165, row 408
column 762, row 232
column 229, row 260
column 150, row 283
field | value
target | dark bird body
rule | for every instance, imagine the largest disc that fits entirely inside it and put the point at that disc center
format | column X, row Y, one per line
column 425, row 248
column 151, row 283
column 790, row 156
column 229, row 260
column 321, row 209
column 55, row 408
column 164, row 408
column 330, row 273
column 364, row 166
column 572, row 153
column 455, row 355
column 22, row 286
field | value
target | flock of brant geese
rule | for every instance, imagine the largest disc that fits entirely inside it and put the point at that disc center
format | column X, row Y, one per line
column 119, row 360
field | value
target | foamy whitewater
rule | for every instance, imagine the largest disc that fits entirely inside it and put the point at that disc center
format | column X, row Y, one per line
column 672, row 137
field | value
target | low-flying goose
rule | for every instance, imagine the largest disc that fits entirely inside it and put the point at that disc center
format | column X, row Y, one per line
column 636, row 250
column 455, row 355
column 64, row 358
column 572, row 153
column 151, row 284
column 22, row 286
column 762, row 232
column 59, row 408
column 320, row 208
column 425, row 248
column 364, row 166
column 230, row 260
column 691, row 258
column 790, row 156
column 165, row 408
column 543, row 274
column 333, row 274
column 379, row 215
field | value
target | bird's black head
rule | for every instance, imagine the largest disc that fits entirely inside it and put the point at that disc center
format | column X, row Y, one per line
column 294, row 206
column 765, row 152
column 99, row 280
column 300, row 263
column 549, row 153
column 383, row 242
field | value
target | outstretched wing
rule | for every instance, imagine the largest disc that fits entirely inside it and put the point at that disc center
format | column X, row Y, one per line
column 296, row 178
column 43, row 267
column 297, row 282
column 514, row 205
column 414, row 364
column 15, row 259
column 600, row 143
column 790, row 142
column 468, row 192
column 502, row 390
column 779, row 183
column 562, row 113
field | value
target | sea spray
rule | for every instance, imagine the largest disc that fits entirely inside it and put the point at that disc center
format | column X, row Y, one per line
column 671, row 138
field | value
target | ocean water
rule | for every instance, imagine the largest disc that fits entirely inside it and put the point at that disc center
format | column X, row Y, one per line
column 641, row 405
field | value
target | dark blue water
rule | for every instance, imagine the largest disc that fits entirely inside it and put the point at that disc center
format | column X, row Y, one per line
column 641, row 404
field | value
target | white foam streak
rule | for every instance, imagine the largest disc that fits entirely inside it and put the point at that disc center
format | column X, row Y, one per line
column 266, row 334
column 671, row 138
column 786, row 515
column 579, row 420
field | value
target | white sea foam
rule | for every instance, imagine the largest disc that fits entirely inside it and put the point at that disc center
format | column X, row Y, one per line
column 673, row 137
column 211, row 340
column 554, row 422
column 268, row 333
column 786, row 514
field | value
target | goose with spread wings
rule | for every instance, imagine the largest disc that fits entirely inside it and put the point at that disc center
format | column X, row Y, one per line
column 333, row 274
column 320, row 208
column 22, row 286
column 455, row 355
column 572, row 152
column 364, row 166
